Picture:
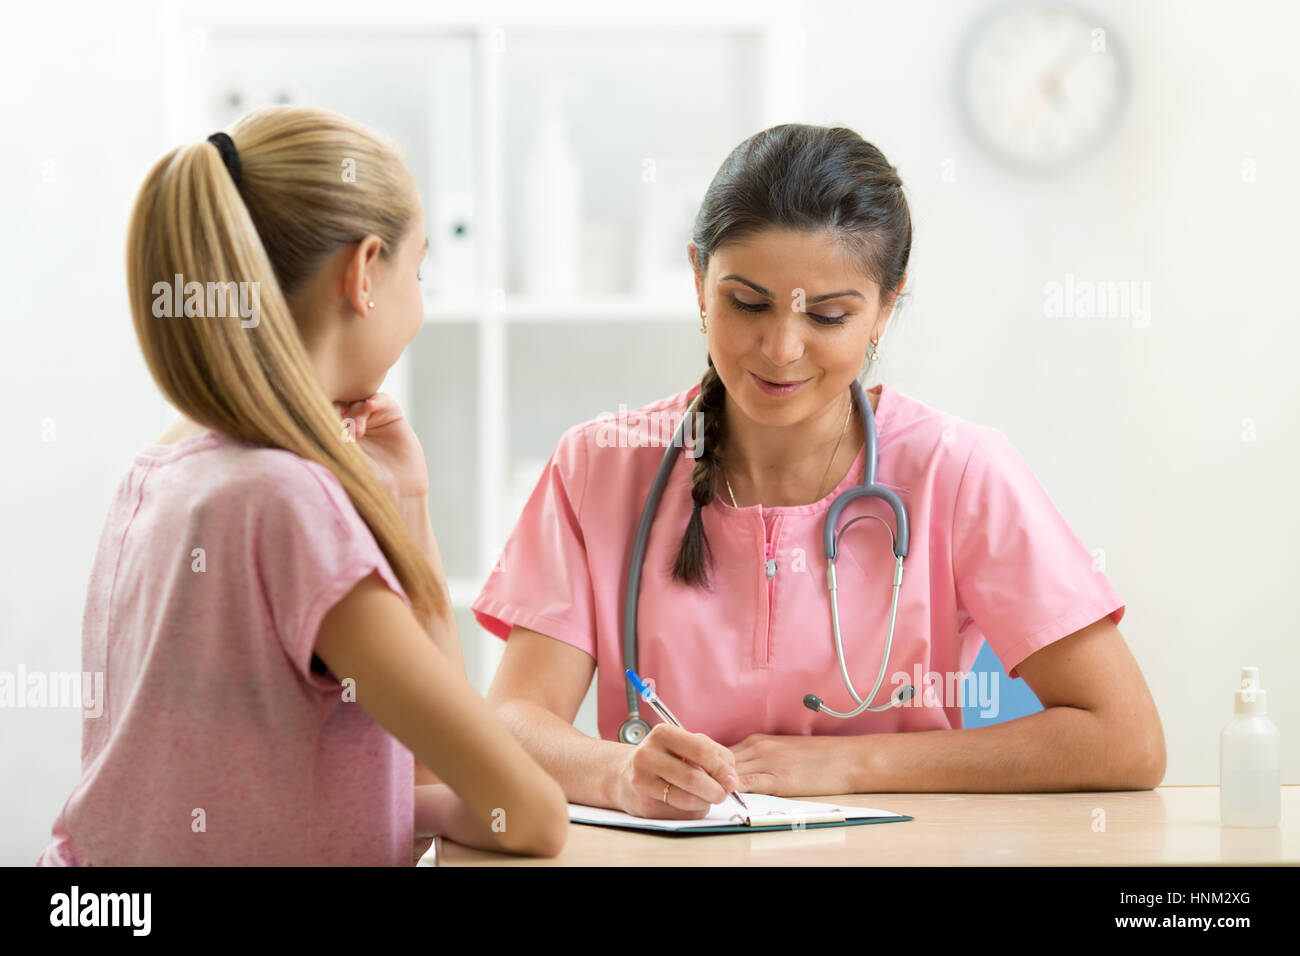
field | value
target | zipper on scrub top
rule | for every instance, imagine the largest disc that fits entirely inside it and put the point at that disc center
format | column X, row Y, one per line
column 769, row 569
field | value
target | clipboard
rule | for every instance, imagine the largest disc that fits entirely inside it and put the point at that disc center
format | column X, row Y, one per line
column 766, row 813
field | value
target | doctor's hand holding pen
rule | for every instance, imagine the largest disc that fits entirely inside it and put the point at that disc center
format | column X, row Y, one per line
column 675, row 774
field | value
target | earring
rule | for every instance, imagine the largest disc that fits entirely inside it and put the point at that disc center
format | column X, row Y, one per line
column 371, row 304
column 703, row 325
column 875, row 352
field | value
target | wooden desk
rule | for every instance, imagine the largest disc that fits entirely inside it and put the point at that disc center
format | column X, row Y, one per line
column 1169, row 825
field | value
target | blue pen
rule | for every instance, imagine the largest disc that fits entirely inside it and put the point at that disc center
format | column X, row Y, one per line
column 650, row 697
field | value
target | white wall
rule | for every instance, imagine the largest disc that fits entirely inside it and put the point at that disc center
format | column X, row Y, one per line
column 83, row 90
column 1136, row 432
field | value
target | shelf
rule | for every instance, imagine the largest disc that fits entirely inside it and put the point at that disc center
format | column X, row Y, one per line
column 577, row 309
column 452, row 310
column 561, row 167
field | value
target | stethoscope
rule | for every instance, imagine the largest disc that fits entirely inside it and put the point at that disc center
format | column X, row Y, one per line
column 634, row 729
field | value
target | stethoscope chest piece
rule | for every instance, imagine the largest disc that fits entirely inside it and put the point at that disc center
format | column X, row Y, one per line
column 633, row 731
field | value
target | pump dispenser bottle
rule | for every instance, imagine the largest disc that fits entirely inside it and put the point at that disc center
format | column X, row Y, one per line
column 1250, row 783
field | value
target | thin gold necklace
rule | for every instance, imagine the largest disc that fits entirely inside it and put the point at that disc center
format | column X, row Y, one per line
column 847, row 412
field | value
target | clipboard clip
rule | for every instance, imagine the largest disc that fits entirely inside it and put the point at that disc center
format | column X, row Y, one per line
column 795, row 821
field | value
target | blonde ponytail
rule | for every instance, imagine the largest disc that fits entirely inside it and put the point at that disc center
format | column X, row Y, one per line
column 251, row 378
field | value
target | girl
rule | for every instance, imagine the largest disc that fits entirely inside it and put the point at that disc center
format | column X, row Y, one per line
column 267, row 601
column 800, row 253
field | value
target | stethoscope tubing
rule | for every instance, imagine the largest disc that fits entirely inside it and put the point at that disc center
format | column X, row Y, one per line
column 637, row 560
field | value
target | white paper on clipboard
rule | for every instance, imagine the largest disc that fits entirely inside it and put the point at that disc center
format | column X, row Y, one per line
column 728, row 813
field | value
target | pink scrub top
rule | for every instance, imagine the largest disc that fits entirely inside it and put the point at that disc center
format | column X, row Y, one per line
column 990, row 558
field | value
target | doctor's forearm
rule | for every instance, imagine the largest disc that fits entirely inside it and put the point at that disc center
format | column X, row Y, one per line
column 1057, row 749
column 584, row 767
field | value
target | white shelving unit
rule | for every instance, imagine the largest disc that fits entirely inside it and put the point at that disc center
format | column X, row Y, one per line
column 502, row 368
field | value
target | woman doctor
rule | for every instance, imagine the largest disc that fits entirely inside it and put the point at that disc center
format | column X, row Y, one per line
column 800, row 252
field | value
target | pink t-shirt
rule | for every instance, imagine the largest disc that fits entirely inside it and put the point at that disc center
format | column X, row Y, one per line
column 219, row 744
column 991, row 558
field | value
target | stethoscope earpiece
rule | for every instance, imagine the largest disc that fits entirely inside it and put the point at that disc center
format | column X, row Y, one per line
column 900, row 697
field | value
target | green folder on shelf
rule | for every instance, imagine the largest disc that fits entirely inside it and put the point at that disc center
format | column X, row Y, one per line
column 766, row 812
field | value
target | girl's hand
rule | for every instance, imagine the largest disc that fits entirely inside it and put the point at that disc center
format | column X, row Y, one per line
column 387, row 439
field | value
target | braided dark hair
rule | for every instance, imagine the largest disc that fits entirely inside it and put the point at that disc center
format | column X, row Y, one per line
column 797, row 177
column 694, row 557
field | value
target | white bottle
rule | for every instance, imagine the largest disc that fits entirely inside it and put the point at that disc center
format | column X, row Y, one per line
column 552, row 205
column 1250, row 782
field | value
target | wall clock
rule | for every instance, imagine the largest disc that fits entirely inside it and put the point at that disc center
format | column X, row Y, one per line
column 1041, row 85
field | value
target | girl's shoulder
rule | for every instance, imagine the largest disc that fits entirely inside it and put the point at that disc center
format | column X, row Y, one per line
column 219, row 474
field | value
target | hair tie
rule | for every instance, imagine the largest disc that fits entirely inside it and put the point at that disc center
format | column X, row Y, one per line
column 229, row 155
column 697, row 509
